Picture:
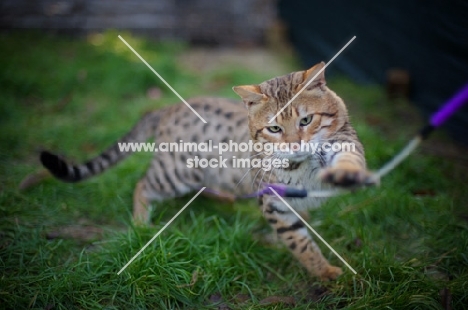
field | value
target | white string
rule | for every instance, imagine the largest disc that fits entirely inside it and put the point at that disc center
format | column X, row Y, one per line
column 389, row 166
column 408, row 149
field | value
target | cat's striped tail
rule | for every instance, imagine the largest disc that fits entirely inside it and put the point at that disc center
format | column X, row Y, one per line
column 67, row 172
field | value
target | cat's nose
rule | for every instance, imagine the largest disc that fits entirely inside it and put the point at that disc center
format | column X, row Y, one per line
column 295, row 147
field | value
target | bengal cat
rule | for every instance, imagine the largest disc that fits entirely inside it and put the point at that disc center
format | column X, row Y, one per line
column 316, row 115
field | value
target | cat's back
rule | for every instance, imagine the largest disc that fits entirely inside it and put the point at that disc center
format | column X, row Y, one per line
column 226, row 119
column 205, row 150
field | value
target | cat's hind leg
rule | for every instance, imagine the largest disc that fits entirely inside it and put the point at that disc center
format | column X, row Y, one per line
column 164, row 180
column 293, row 233
column 141, row 207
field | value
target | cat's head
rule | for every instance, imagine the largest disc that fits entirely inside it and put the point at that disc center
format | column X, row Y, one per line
column 315, row 114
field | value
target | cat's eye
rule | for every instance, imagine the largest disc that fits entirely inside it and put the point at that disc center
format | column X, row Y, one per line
column 274, row 129
column 306, row 120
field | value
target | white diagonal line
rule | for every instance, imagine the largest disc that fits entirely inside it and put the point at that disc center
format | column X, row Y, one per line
column 162, row 229
column 161, row 78
column 300, row 91
column 313, row 230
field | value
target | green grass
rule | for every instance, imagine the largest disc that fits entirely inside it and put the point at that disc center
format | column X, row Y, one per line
column 76, row 96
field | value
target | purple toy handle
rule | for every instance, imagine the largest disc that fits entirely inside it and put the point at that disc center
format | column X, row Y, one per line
column 450, row 107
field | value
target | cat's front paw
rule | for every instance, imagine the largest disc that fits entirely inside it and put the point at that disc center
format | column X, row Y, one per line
column 330, row 273
column 347, row 176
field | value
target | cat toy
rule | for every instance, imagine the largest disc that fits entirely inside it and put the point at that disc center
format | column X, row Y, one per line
column 436, row 120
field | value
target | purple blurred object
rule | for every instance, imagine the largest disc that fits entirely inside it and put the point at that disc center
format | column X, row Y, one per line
column 279, row 188
column 450, row 107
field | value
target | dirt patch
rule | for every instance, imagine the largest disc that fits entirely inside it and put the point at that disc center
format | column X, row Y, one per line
column 203, row 60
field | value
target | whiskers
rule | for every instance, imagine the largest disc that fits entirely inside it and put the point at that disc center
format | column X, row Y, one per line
column 271, row 167
column 249, row 169
column 264, row 169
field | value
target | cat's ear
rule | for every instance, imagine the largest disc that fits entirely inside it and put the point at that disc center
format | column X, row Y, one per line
column 308, row 75
column 250, row 94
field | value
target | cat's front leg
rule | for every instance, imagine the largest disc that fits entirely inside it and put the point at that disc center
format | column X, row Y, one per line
column 293, row 233
column 347, row 169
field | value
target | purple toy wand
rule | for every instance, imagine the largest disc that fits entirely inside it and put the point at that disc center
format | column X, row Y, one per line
column 437, row 119
column 450, row 107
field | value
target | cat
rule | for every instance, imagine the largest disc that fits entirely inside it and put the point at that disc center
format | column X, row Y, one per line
column 317, row 115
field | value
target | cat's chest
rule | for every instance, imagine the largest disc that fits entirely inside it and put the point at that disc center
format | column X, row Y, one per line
column 305, row 175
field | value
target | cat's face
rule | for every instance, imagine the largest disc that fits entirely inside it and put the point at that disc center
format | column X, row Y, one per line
column 314, row 116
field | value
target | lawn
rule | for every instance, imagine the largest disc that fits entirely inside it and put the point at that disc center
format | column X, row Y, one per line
column 61, row 245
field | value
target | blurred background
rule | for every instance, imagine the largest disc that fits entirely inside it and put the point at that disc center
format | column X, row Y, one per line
column 417, row 50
